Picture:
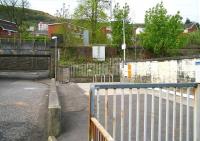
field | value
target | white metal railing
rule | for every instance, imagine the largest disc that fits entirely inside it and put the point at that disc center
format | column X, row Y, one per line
column 145, row 112
column 103, row 78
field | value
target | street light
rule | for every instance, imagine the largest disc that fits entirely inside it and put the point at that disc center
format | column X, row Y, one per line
column 56, row 43
column 124, row 37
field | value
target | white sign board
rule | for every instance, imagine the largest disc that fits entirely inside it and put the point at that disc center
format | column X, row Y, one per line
column 98, row 52
column 197, row 71
column 123, row 46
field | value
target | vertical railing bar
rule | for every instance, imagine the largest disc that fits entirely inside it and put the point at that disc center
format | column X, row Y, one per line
column 94, row 133
column 196, row 123
column 99, row 136
column 167, row 117
column 174, row 116
column 138, row 116
column 122, row 115
column 152, row 117
column 104, row 78
column 145, row 116
column 98, row 104
column 106, row 109
column 188, row 116
column 112, row 78
column 114, row 114
column 130, row 115
column 181, row 116
column 160, row 116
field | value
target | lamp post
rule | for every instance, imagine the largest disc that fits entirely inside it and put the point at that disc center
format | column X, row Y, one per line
column 56, row 46
column 124, row 37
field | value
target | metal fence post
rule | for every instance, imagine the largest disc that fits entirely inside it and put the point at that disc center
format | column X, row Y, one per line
column 197, row 114
column 91, row 112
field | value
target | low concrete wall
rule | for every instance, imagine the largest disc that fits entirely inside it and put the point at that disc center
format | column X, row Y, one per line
column 54, row 111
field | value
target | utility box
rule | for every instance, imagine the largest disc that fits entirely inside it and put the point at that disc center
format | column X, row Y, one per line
column 98, row 52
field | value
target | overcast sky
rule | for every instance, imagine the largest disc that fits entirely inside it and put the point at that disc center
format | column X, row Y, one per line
column 188, row 8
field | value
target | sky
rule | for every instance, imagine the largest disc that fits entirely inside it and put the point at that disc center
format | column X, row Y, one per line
column 188, row 8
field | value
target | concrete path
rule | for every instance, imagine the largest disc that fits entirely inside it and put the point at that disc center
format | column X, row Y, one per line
column 74, row 113
column 23, row 110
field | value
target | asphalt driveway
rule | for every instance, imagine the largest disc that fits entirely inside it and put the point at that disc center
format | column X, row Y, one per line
column 23, row 110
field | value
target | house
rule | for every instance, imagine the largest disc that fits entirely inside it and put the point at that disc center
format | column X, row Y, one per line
column 190, row 27
column 7, row 29
column 138, row 28
column 61, row 29
column 107, row 32
column 42, row 26
column 41, row 29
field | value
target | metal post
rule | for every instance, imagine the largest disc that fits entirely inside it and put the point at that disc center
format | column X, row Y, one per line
column 188, row 116
column 174, row 117
column 98, row 104
column 181, row 117
column 56, row 42
column 114, row 114
column 160, row 116
column 130, row 115
column 122, row 115
column 197, row 114
column 167, row 116
column 106, row 109
column 145, row 116
column 152, row 117
column 138, row 116
column 124, row 37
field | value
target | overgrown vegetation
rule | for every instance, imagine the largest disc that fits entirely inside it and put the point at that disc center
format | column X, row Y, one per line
column 193, row 38
column 92, row 11
column 163, row 33
column 121, row 14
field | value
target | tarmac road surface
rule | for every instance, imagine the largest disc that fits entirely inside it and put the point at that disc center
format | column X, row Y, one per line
column 23, row 110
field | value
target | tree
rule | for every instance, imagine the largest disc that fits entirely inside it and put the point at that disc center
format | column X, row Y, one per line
column 15, row 10
column 63, row 13
column 187, row 21
column 92, row 11
column 121, row 14
column 162, row 33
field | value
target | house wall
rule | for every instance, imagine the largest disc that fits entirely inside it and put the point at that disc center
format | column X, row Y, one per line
column 6, row 34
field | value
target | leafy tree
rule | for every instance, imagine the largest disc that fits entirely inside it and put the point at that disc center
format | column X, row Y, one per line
column 162, row 33
column 92, row 11
column 187, row 21
column 15, row 10
column 121, row 14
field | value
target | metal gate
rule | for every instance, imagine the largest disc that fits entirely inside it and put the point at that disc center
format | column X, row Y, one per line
column 144, row 112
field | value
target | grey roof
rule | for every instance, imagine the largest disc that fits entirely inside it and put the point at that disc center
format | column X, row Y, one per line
column 7, row 25
column 189, row 25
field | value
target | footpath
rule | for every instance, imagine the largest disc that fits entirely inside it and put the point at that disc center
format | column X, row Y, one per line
column 74, row 114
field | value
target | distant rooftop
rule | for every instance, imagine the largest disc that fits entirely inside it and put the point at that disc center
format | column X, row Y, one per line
column 8, row 25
